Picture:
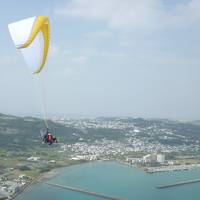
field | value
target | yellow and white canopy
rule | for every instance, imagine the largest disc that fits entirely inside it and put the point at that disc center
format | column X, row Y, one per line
column 31, row 37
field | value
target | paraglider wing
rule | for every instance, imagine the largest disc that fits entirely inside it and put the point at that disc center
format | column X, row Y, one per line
column 31, row 37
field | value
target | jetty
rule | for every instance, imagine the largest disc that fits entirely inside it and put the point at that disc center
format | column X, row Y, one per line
column 23, row 188
column 74, row 189
column 178, row 184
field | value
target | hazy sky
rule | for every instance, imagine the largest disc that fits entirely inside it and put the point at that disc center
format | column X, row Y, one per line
column 107, row 57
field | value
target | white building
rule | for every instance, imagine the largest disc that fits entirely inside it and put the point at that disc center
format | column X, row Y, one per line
column 32, row 158
column 170, row 162
column 149, row 158
column 160, row 158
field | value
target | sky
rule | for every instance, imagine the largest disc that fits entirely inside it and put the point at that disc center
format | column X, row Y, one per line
column 137, row 58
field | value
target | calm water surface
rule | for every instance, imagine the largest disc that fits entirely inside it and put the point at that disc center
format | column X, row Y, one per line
column 118, row 180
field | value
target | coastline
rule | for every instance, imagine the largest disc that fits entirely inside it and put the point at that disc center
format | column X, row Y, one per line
column 42, row 177
column 161, row 169
column 45, row 176
column 54, row 172
column 26, row 186
column 171, row 168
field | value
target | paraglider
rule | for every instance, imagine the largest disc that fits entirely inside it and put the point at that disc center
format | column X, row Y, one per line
column 49, row 138
column 31, row 36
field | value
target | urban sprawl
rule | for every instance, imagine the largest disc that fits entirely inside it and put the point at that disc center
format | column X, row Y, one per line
column 151, row 145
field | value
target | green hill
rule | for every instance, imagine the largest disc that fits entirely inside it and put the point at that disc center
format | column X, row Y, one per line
column 19, row 133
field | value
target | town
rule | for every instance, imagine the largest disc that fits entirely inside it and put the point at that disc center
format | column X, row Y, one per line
column 150, row 145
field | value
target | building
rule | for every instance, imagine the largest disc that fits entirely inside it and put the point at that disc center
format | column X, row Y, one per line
column 150, row 158
column 32, row 158
column 160, row 158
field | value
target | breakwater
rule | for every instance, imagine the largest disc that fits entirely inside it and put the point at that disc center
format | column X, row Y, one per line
column 83, row 191
column 178, row 184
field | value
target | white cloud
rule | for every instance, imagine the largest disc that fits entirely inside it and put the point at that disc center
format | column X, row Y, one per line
column 116, row 13
column 190, row 10
column 56, row 52
column 8, row 60
column 99, row 34
column 68, row 61
column 78, row 60
column 129, row 15
column 62, row 57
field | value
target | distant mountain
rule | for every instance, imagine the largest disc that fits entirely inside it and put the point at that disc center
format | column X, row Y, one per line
column 196, row 122
column 21, row 133
column 191, row 130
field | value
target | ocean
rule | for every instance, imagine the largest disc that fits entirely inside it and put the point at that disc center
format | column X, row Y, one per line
column 115, row 179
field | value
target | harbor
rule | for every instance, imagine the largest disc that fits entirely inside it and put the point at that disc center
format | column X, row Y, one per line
column 119, row 182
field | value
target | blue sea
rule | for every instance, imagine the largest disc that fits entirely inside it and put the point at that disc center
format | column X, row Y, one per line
column 115, row 179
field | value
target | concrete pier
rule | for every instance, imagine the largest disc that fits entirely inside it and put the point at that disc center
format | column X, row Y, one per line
column 178, row 184
column 83, row 191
